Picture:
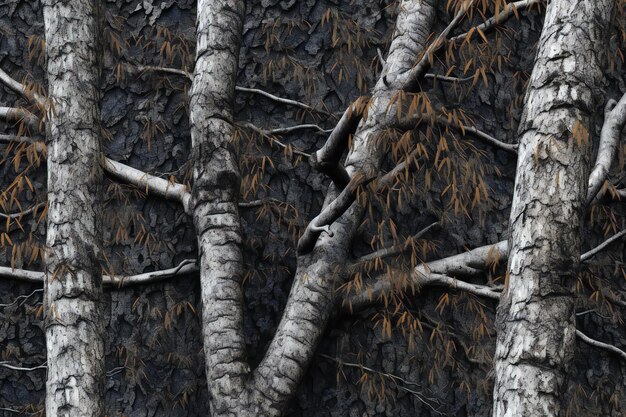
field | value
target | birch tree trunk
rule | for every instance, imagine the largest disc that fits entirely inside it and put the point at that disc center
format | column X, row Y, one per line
column 73, row 281
column 234, row 390
column 214, row 201
column 536, row 329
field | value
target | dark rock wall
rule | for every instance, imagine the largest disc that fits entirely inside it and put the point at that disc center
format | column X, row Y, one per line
column 323, row 53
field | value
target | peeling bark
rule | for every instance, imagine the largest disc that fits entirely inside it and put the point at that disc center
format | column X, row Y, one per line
column 73, row 281
column 535, row 318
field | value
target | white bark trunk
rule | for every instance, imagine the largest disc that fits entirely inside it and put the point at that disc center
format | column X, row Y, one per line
column 535, row 318
column 234, row 390
column 73, row 281
column 215, row 195
column 313, row 296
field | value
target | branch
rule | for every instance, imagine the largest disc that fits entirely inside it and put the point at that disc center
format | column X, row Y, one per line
column 326, row 159
column 188, row 266
column 150, row 68
column 469, row 263
column 394, row 378
column 150, row 183
column 593, row 252
column 413, row 76
column 23, row 139
column 614, row 120
column 22, row 213
column 290, row 129
column 601, row 345
column 332, row 212
column 277, row 99
column 448, row 79
column 20, row 368
column 472, row 262
column 23, row 298
column 189, row 76
column 260, row 202
column 268, row 134
column 396, row 249
column 510, row 10
column 19, row 88
column 17, row 115
column 411, row 121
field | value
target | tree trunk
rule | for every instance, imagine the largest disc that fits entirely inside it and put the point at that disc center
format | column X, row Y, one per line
column 73, row 281
column 214, row 201
column 313, row 297
column 233, row 389
column 535, row 318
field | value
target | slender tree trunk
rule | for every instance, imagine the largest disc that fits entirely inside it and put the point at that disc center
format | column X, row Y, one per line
column 73, row 281
column 536, row 329
column 214, row 201
column 313, row 296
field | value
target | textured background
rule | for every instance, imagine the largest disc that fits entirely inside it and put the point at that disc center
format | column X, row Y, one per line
column 154, row 350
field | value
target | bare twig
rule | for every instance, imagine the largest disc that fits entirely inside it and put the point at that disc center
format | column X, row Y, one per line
column 273, row 140
column 448, row 79
column 502, row 17
column 189, row 76
column 188, row 266
column 8, row 365
column 24, row 298
column 424, row 400
column 600, row 345
column 22, row 213
column 395, row 249
column 593, row 252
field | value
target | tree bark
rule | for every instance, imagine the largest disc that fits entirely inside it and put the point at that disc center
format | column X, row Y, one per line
column 536, row 329
column 234, row 390
column 215, row 195
column 313, row 297
column 73, row 282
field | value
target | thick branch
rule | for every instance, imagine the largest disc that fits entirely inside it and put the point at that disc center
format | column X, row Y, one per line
column 330, row 213
column 326, row 159
column 411, row 78
column 614, row 120
column 149, row 183
column 18, row 115
column 19, row 88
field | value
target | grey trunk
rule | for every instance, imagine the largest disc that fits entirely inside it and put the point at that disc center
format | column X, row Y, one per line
column 234, row 390
column 73, row 281
column 214, row 201
column 535, row 318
